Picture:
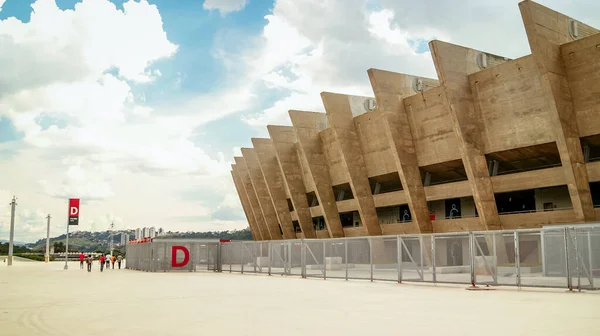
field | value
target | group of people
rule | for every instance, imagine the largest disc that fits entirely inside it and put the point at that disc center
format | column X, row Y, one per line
column 105, row 261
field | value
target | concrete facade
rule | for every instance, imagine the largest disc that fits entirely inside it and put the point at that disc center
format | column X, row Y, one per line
column 492, row 144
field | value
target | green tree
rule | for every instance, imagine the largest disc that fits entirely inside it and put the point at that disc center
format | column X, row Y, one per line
column 59, row 247
column 16, row 249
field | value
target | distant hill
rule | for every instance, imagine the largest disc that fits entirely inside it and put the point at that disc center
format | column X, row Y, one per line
column 14, row 242
column 91, row 241
column 84, row 241
column 244, row 234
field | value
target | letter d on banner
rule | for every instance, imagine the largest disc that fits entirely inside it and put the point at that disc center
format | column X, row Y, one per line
column 186, row 256
column 73, row 211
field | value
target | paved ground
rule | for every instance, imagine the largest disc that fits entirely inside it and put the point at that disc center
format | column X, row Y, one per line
column 43, row 299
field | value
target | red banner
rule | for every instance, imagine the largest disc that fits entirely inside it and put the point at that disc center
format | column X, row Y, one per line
column 73, row 211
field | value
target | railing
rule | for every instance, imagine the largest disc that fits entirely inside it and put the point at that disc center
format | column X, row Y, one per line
column 523, row 170
column 558, row 257
column 533, row 211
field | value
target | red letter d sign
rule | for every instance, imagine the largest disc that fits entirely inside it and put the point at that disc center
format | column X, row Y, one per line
column 186, row 256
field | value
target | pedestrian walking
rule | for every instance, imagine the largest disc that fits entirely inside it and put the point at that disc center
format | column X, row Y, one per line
column 102, row 260
column 112, row 261
column 81, row 259
column 89, row 260
column 119, row 259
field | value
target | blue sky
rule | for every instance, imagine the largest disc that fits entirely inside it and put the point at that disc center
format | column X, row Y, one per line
column 139, row 109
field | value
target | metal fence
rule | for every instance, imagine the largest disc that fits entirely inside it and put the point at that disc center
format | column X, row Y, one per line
column 566, row 257
column 157, row 256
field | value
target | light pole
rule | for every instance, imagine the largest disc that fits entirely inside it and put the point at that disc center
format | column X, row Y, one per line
column 13, row 205
column 67, row 247
column 47, row 257
column 112, row 225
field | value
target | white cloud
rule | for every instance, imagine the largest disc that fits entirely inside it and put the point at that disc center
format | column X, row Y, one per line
column 1, row 4
column 67, row 46
column 225, row 6
column 111, row 150
column 309, row 46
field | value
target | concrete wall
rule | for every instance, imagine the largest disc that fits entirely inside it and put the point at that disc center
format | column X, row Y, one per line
column 582, row 65
column 512, row 105
column 431, row 126
column 333, row 157
column 375, row 148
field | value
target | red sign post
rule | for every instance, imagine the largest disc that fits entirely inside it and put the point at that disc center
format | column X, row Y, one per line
column 73, row 220
column 73, row 211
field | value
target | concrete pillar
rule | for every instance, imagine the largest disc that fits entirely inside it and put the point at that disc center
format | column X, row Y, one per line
column 390, row 90
column 453, row 64
column 306, row 127
column 242, row 170
column 340, row 115
column 245, row 203
column 546, row 31
column 262, row 193
column 275, row 184
column 284, row 140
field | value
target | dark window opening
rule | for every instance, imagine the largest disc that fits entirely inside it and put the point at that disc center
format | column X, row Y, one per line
column 523, row 159
column 534, row 200
column 312, row 199
column 290, row 205
column 347, row 219
column 394, row 214
column 385, row 183
column 453, row 209
column 591, row 148
column 521, row 201
column 445, row 172
column 296, row 226
column 342, row 192
column 319, row 223
column 595, row 190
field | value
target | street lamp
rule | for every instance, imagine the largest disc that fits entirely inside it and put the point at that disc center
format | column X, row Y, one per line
column 112, row 226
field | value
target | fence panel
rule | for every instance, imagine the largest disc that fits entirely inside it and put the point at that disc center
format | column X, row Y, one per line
column 335, row 258
column 314, row 258
column 452, row 258
column 385, row 258
column 279, row 257
column 581, row 258
column 359, row 258
column 234, row 256
column 251, row 257
column 541, row 258
column 160, row 253
column 411, row 256
column 295, row 252
column 485, row 254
